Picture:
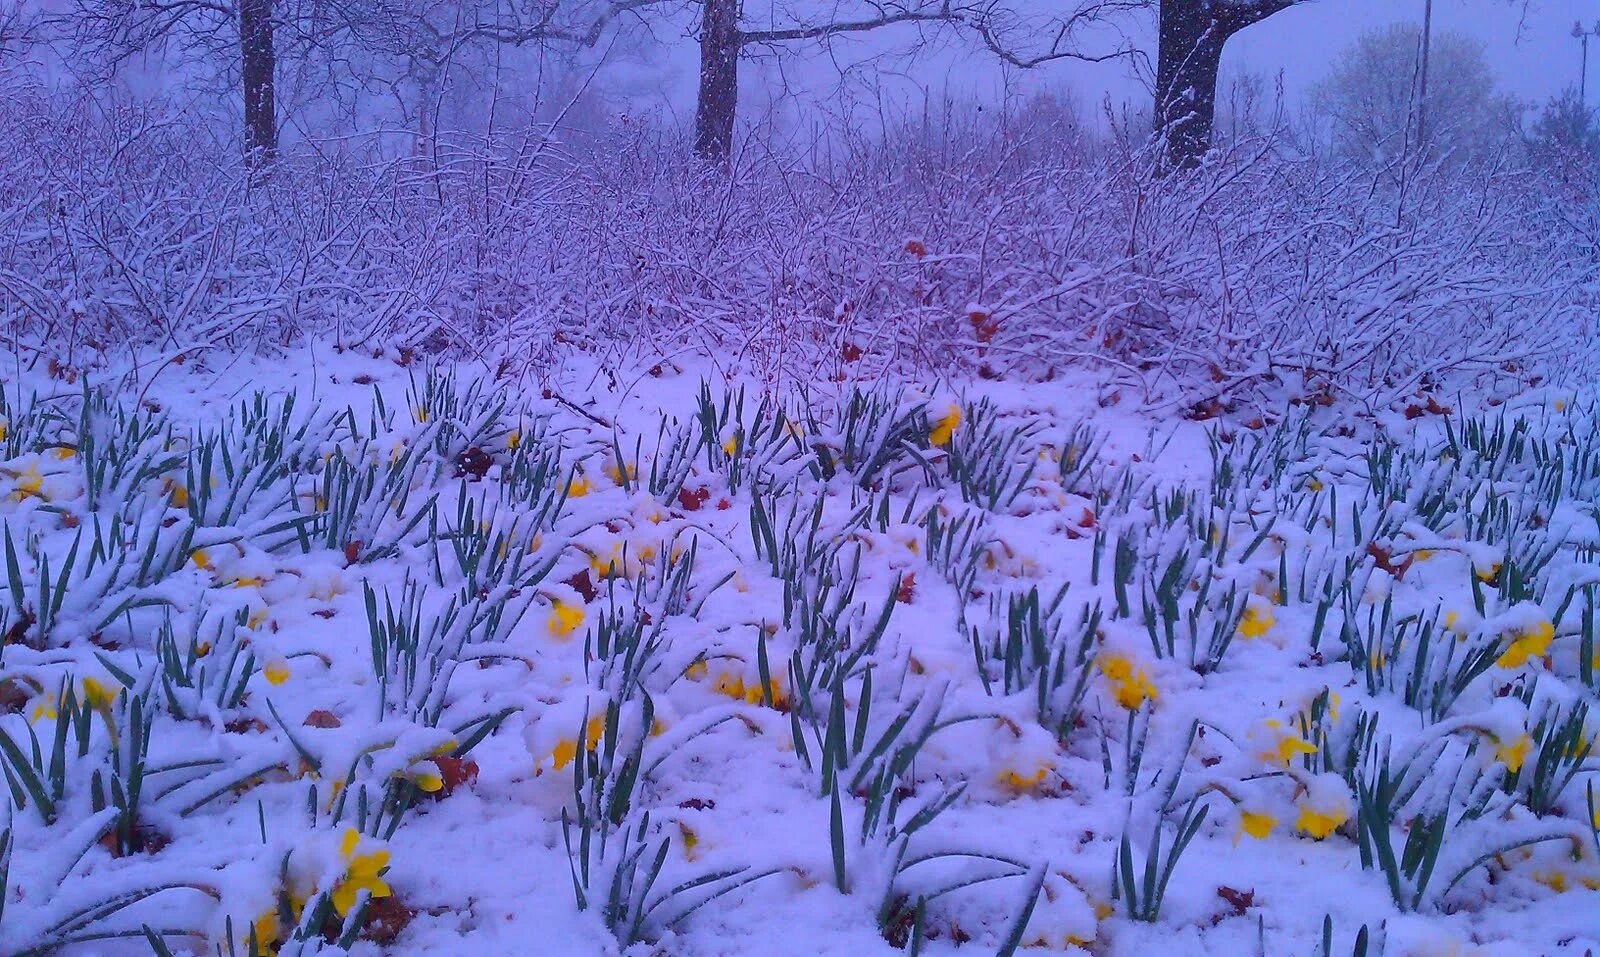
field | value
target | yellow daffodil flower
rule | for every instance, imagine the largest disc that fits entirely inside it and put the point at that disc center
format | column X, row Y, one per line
column 564, row 618
column 1130, row 686
column 690, row 841
column 1513, row 753
column 733, row 685
column 1286, row 747
column 1527, row 644
column 44, row 709
column 603, row 566
column 1257, row 824
column 97, row 695
column 567, row 748
column 578, row 487
column 425, row 775
column 1319, row 822
column 327, row 591
column 178, row 495
column 945, row 427
column 1019, row 781
column 30, row 482
column 729, row 684
column 276, row 671
column 780, row 699
column 363, row 872
column 264, row 931
column 1256, row 621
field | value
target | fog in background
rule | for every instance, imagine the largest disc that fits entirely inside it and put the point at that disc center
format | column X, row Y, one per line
column 1530, row 49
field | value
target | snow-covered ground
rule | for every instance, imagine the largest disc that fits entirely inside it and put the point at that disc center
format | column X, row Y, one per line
column 355, row 655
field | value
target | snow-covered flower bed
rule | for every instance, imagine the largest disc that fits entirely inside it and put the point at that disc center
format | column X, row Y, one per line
column 418, row 665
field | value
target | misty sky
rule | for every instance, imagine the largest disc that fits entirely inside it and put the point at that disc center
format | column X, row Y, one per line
column 1532, row 53
column 1533, row 64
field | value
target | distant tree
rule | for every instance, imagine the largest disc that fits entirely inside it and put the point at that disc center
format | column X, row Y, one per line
column 258, row 71
column 1566, row 129
column 728, row 31
column 1189, row 55
column 105, row 33
column 365, row 45
column 1190, row 40
column 1371, row 99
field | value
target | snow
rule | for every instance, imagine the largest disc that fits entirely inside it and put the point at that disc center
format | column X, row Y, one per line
column 486, row 869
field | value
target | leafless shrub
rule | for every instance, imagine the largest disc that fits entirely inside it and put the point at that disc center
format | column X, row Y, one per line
column 1020, row 246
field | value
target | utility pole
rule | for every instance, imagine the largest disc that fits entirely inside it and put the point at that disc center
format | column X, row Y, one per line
column 1582, row 36
column 1422, row 82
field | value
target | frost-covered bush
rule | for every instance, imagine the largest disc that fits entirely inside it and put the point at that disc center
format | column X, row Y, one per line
column 136, row 238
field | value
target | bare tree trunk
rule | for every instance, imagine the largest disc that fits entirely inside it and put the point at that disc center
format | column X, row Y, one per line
column 1189, row 55
column 258, row 64
column 719, row 79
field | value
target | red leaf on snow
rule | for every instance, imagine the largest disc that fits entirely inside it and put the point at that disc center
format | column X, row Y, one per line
column 1238, row 902
column 583, row 585
column 455, row 772
column 1385, row 561
column 13, row 696
column 908, row 587
column 474, row 462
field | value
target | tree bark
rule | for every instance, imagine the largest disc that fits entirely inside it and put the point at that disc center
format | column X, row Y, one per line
column 259, row 62
column 1188, row 57
column 1189, row 54
column 719, row 79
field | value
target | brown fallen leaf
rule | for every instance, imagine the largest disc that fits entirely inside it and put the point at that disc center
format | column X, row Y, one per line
column 322, row 719
column 1237, row 901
